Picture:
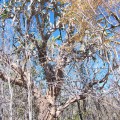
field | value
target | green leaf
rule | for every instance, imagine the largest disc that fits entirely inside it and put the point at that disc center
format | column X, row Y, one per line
column 3, row 16
column 57, row 38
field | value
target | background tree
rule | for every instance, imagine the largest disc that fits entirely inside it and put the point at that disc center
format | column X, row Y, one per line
column 59, row 52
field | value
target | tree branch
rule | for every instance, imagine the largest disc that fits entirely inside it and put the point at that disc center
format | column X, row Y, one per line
column 13, row 81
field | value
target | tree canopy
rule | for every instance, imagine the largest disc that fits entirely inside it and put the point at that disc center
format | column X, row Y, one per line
column 59, row 59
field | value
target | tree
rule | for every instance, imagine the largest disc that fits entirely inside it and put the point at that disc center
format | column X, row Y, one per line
column 59, row 42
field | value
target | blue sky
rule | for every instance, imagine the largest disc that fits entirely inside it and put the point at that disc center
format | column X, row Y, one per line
column 99, row 62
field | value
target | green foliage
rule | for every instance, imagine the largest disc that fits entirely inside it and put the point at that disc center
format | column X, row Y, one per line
column 54, row 39
column 4, row 15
